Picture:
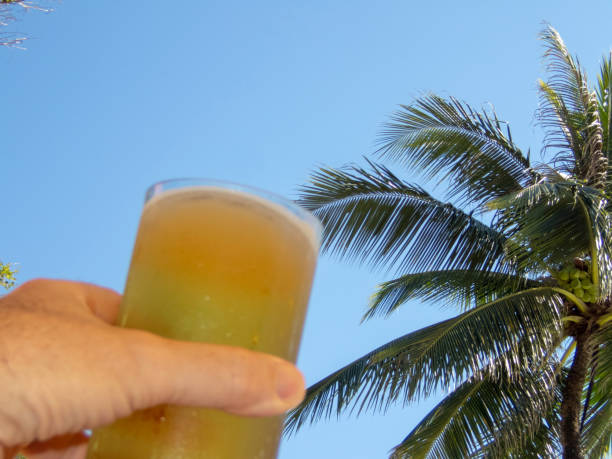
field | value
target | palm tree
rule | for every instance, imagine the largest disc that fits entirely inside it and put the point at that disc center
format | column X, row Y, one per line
column 523, row 250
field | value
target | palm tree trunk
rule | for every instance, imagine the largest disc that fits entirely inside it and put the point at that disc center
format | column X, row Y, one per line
column 572, row 396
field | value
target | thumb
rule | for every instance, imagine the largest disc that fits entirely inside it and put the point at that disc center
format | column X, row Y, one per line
column 232, row 379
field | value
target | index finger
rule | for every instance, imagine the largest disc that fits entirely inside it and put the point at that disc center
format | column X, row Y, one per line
column 102, row 301
column 64, row 295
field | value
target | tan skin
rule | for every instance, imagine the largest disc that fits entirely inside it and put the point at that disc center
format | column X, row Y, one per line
column 65, row 368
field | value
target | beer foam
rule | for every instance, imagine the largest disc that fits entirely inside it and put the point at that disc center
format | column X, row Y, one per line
column 304, row 221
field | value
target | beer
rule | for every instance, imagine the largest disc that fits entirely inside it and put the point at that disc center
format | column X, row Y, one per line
column 215, row 265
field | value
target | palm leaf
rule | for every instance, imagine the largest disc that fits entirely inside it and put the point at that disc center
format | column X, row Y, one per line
column 562, row 128
column 520, row 326
column 603, row 374
column 597, row 426
column 567, row 77
column 437, row 136
column 550, row 189
column 375, row 217
column 564, row 102
column 597, row 432
column 594, row 160
column 464, row 287
column 604, row 96
column 554, row 221
column 601, row 219
column 571, row 115
column 541, row 443
column 483, row 416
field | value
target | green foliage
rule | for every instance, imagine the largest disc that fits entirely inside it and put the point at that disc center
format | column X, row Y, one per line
column 524, row 252
column 604, row 99
column 464, row 288
column 597, row 437
column 546, row 221
column 484, row 417
column 409, row 368
column 450, row 139
column 373, row 216
column 7, row 275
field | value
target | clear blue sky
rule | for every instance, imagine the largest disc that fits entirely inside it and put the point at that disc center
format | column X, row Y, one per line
column 109, row 99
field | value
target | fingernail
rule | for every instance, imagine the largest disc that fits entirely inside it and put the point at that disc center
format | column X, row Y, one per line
column 289, row 388
column 289, row 383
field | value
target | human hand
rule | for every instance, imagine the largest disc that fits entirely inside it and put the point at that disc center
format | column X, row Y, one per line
column 64, row 368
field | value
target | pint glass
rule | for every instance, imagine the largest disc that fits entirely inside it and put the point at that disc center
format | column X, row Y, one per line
column 220, row 263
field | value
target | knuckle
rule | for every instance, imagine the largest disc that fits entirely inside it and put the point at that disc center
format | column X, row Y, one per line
column 145, row 358
column 36, row 284
column 35, row 292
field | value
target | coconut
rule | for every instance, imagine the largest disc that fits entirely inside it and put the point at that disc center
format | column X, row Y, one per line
column 586, row 283
column 565, row 285
column 579, row 292
column 576, row 283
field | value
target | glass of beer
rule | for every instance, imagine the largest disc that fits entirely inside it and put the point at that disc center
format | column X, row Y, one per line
column 221, row 263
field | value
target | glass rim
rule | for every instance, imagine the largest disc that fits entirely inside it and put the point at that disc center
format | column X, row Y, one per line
column 290, row 205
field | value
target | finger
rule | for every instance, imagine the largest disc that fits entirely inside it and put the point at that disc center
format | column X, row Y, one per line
column 232, row 379
column 71, row 446
column 102, row 301
column 62, row 295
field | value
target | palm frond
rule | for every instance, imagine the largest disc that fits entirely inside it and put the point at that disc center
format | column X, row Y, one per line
column 599, row 213
column 484, row 416
column 570, row 114
column 509, row 330
column 604, row 99
column 465, row 288
column 603, row 375
column 470, row 148
column 550, row 189
column 374, row 217
column 564, row 101
column 567, row 76
column 605, row 114
column 562, row 128
column 597, row 428
column 552, row 221
column 597, row 432
column 544, row 441
column 594, row 160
